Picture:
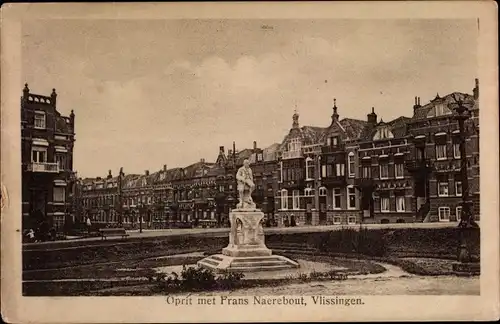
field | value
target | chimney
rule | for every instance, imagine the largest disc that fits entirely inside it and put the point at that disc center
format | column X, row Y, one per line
column 229, row 152
column 110, row 175
column 417, row 103
column 372, row 117
column 475, row 91
column 164, row 168
column 121, row 171
column 146, row 172
column 221, row 149
column 53, row 97
column 254, row 145
column 202, row 160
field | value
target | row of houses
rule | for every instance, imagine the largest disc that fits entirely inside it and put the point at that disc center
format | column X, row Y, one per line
column 350, row 171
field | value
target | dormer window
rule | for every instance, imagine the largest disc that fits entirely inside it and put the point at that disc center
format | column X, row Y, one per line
column 40, row 120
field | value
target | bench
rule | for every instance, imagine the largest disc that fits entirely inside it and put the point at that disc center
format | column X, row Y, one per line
column 105, row 232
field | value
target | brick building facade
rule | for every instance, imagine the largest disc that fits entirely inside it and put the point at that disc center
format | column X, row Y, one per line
column 48, row 180
column 351, row 171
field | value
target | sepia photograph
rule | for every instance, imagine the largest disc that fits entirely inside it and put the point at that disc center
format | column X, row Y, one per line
column 245, row 161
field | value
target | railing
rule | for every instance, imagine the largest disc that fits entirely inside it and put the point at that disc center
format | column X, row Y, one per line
column 43, row 167
column 333, row 149
column 419, row 165
column 291, row 155
column 337, row 181
column 364, row 182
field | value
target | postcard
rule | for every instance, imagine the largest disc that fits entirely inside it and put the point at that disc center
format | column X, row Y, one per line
column 248, row 162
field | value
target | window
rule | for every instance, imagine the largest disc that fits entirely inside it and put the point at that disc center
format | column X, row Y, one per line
column 296, row 199
column 351, row 198
column 336, row 220
column 443, row 189
column 399, row 171
column 340, row 169
column 336, row 198
column 384, row 171
column 259, row 157
column 39, row 119
column 323, row 171
column 280, row 173
column 458, row 188
column 284, row 199
column 444, row 214
column 456, row 150
column 441, row 151
column 61, row 161
column 39, row 154
column 400, row 203
column 458, row 213
column 384, row 204
column 309, row 192
column 335, row 141
column 351, row 165
column 329, row 141
column 351, row 220
column 367, row 172
column 221, row 188
column 309, row 168
column 322, row 191
column 59, row 194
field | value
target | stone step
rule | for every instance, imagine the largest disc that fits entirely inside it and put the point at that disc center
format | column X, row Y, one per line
column 262, row 268
column 205, row 264
column 257, row 259
column 215, row 257
column 245, row 263
column 292, row 248
column 211, row 262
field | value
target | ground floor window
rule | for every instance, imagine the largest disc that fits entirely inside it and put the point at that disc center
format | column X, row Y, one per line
column 384, row 204
column 59, row 194
column 351, row 220
column 400, row 203
column 336, row 220
column 444, row 214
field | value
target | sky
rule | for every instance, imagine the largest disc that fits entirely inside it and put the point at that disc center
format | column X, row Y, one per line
column 152, row 92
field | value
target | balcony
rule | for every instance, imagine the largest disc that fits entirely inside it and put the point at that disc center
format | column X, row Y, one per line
column 293, row 184
column 334, row 181
column 291, row 155
column 332, row 149
column 43, row 167
column 419, row 167
column 363, row 183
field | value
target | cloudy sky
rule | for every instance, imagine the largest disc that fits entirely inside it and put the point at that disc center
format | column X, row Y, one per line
column 153, row 92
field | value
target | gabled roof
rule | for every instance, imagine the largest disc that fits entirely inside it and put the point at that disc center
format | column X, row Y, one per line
column 308, row 134
column 422, row 112
column 353, row 127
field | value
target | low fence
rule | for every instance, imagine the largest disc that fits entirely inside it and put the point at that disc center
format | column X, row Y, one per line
column 402, row 242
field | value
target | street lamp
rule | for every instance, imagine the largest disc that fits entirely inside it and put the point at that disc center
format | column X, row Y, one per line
column 467, row 221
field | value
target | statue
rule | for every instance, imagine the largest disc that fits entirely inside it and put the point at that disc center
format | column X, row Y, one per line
column 246, row 186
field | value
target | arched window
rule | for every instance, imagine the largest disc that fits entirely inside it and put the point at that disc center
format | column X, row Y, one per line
column 322, row 191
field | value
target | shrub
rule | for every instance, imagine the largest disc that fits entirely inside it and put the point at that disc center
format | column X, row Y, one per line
column 229, row 280
column 197, row 278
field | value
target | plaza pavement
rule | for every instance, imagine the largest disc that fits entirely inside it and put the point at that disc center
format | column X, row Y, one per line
column 220, row 232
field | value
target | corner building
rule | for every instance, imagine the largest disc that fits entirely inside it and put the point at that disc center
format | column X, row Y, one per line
column 48, row 180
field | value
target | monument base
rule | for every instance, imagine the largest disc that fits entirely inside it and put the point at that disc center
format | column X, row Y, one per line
column 246, row 251
column 222, row 263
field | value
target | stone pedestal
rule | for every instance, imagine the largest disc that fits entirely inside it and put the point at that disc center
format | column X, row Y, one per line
column 246, row 250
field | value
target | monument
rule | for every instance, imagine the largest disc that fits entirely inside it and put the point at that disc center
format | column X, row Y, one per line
column 246, row 250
